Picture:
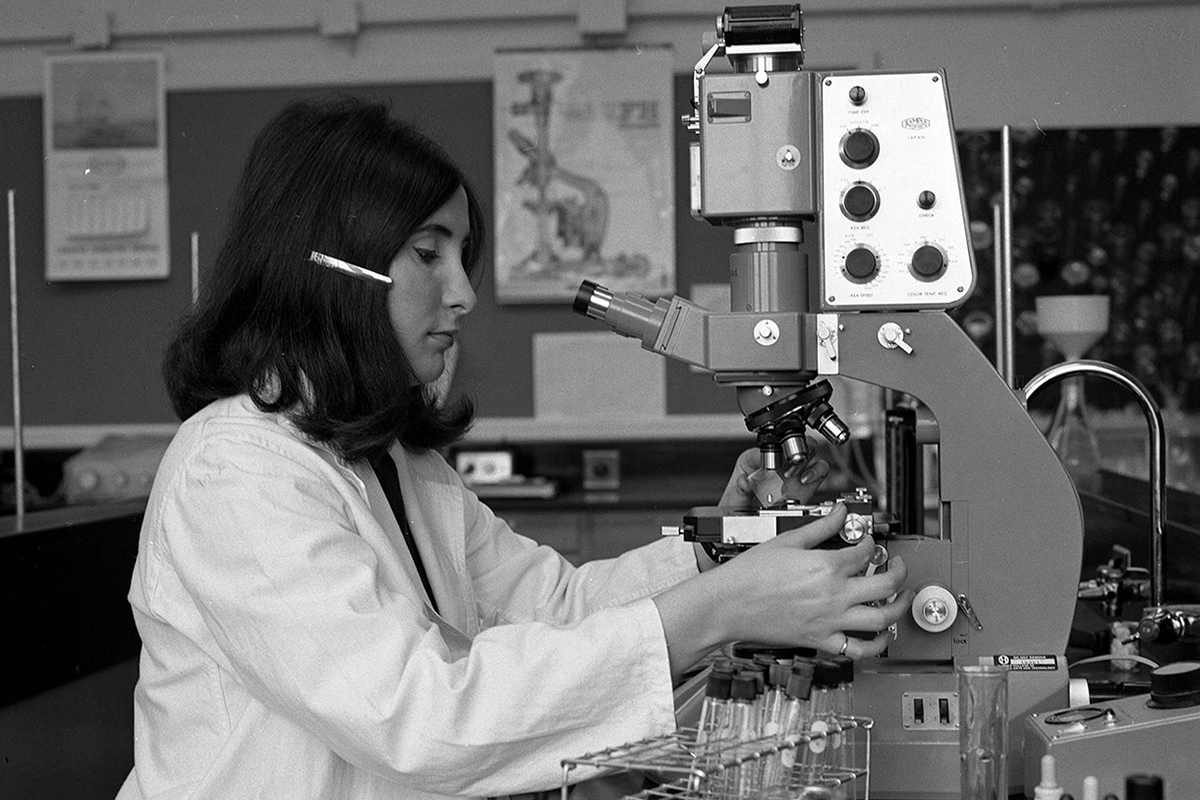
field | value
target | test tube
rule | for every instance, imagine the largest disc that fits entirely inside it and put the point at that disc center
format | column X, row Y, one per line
column 775, row 699
column 743, row 729
column 815, row 757
column 797, row 717
column 714, row 720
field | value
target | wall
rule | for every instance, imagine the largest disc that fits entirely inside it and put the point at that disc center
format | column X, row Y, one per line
column 90, row 351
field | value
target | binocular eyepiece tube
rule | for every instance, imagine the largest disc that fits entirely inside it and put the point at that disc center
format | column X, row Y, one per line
column 627, row 314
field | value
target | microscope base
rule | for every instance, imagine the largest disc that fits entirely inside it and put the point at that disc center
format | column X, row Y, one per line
column 914, row 753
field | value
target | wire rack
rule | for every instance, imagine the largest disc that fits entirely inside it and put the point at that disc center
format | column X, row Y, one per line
column 687, row 768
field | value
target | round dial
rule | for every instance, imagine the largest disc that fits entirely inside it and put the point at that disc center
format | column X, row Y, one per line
column 928, row 262
column 860, row 148
column 860, row 202
column 862, row 264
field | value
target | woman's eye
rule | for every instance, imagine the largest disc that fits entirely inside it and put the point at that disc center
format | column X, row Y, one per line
column 427, row 256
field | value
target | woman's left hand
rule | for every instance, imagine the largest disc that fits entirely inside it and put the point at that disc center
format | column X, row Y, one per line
column 800, row 482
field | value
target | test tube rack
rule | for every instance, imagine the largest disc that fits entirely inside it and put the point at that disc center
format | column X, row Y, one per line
column 688, row 769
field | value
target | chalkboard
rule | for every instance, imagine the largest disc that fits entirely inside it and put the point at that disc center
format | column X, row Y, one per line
column 91, row 352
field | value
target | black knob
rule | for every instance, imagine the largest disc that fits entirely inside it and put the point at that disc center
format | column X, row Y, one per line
column 861, row 263
column 1175, row 685
column 858, row 95
column 928, row 261
column 1143, row 787
column 860, row 202
column 926, row 199
column 860, row 148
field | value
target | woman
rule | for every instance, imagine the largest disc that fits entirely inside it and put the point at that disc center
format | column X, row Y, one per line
column 325, row 609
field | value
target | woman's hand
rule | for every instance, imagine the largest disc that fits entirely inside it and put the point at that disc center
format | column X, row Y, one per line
column 784, row 592
column 800, row 481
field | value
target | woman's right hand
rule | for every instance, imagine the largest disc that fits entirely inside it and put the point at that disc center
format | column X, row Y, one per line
column 786, row 592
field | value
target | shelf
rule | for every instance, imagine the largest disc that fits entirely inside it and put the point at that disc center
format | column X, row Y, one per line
column 533, row 430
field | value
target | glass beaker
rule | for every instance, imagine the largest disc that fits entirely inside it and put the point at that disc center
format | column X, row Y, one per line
column 983, row 731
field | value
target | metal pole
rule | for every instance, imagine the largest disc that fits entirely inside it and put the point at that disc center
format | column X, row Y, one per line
column 18, row 437
column 1002, row 225
column 195, row 267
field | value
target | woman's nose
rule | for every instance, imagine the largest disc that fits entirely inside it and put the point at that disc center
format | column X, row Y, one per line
column 459, row 292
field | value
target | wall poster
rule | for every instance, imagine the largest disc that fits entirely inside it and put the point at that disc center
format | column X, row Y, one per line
column 105, row 166
column 585, row 172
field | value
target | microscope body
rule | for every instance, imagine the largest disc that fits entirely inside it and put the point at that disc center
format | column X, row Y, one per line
column 850, row 234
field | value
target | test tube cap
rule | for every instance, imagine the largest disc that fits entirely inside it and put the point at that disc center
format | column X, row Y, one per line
column 800, row 682
column 845, row 668
column 777, row 674
column 827, row 673
column 745, row 687
column 718, row 685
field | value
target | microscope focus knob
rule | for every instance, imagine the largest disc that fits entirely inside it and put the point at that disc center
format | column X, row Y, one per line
column 857, row 526
column 934, row 609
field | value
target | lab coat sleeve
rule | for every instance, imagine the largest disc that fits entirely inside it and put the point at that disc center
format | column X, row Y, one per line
column 263, row 537
column 517, row 580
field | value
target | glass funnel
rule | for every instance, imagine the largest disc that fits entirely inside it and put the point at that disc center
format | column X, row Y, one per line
column 1073, row 323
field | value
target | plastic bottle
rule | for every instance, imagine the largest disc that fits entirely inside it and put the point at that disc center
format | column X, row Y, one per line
column 1048, row 788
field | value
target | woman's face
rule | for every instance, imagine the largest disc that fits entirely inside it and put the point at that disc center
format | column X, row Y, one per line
column 430, row 291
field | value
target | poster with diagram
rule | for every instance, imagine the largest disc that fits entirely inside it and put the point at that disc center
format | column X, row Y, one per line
column 105, row 167
column 585, row 173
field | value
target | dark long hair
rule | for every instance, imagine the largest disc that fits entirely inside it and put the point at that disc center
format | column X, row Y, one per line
column 344, row 178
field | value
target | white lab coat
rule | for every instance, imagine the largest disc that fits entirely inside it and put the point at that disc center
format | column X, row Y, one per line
column 288, row 652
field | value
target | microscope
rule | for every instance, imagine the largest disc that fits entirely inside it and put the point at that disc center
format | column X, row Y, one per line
column 850, row 242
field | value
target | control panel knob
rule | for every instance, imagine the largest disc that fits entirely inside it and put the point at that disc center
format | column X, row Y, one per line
column 934, row 609
column 860, row 202
column 858, row 95
column 928, row 261
column 861, row 264
column 860, row 148
column 926, row 199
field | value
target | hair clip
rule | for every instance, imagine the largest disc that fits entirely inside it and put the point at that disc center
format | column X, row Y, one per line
column 347, row 268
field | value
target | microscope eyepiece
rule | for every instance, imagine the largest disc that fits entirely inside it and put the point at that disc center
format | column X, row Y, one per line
column 592, row 300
